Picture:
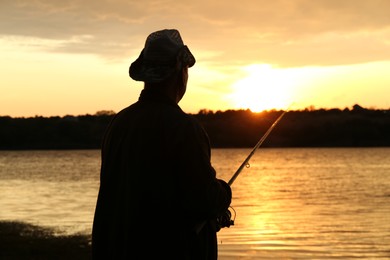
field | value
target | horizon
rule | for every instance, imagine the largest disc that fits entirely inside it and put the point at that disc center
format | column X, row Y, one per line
column 204, row 110
column 73, row 57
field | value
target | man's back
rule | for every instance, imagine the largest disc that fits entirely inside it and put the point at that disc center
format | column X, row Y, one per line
column 156, row 184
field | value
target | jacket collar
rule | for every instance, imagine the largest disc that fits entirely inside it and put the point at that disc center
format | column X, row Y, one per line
column 155, row 95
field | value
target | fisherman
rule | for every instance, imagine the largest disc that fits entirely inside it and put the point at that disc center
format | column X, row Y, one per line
column 159, row 197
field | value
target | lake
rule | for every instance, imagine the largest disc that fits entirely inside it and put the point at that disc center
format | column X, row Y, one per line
column 296, row 203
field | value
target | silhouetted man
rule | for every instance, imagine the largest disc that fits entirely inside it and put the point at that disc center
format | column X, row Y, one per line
column 159, row 197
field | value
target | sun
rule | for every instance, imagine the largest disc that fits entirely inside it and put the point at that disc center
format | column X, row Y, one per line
column 264, row 88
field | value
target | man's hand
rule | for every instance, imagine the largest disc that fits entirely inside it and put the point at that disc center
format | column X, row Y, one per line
column 225, row 220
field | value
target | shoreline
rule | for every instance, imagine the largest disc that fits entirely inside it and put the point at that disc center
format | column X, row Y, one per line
column 20, row 240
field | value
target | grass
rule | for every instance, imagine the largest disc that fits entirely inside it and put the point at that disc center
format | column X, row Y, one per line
column 19, row 240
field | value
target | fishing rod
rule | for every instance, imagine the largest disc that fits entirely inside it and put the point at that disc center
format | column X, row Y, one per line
column 262, row 139
column 226, row 220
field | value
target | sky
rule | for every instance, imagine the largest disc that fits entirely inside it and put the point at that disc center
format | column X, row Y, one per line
column 71, row 57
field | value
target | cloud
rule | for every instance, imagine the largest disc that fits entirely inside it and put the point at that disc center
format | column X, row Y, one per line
column 283, row 32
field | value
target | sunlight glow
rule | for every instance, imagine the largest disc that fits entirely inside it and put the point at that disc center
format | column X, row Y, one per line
column 264, row 88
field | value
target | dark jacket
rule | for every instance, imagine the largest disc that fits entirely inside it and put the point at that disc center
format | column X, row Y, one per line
column 157, row 186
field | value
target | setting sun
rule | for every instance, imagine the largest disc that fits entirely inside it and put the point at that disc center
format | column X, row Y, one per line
column 262, row 61
column 264, row 88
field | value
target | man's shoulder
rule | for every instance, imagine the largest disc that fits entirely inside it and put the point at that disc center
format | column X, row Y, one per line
column 184, row 117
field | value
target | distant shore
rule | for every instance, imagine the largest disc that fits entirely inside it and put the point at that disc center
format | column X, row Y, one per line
column 358, row 127
column 19, row 240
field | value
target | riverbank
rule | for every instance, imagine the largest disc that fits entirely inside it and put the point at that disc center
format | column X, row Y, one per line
column 20, row 240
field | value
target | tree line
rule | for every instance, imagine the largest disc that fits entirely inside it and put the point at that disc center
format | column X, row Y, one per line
column 357, row 127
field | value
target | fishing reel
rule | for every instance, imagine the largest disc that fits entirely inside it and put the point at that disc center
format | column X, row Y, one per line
column 225, row 220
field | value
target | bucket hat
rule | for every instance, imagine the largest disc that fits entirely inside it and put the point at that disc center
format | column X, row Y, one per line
column 163, row 54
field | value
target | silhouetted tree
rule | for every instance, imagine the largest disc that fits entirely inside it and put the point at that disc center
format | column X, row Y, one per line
column 230, row 128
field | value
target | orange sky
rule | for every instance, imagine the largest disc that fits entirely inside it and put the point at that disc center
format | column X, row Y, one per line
column 71, row 57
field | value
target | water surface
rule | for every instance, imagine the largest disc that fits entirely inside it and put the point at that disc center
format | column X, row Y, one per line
column 289, row 204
